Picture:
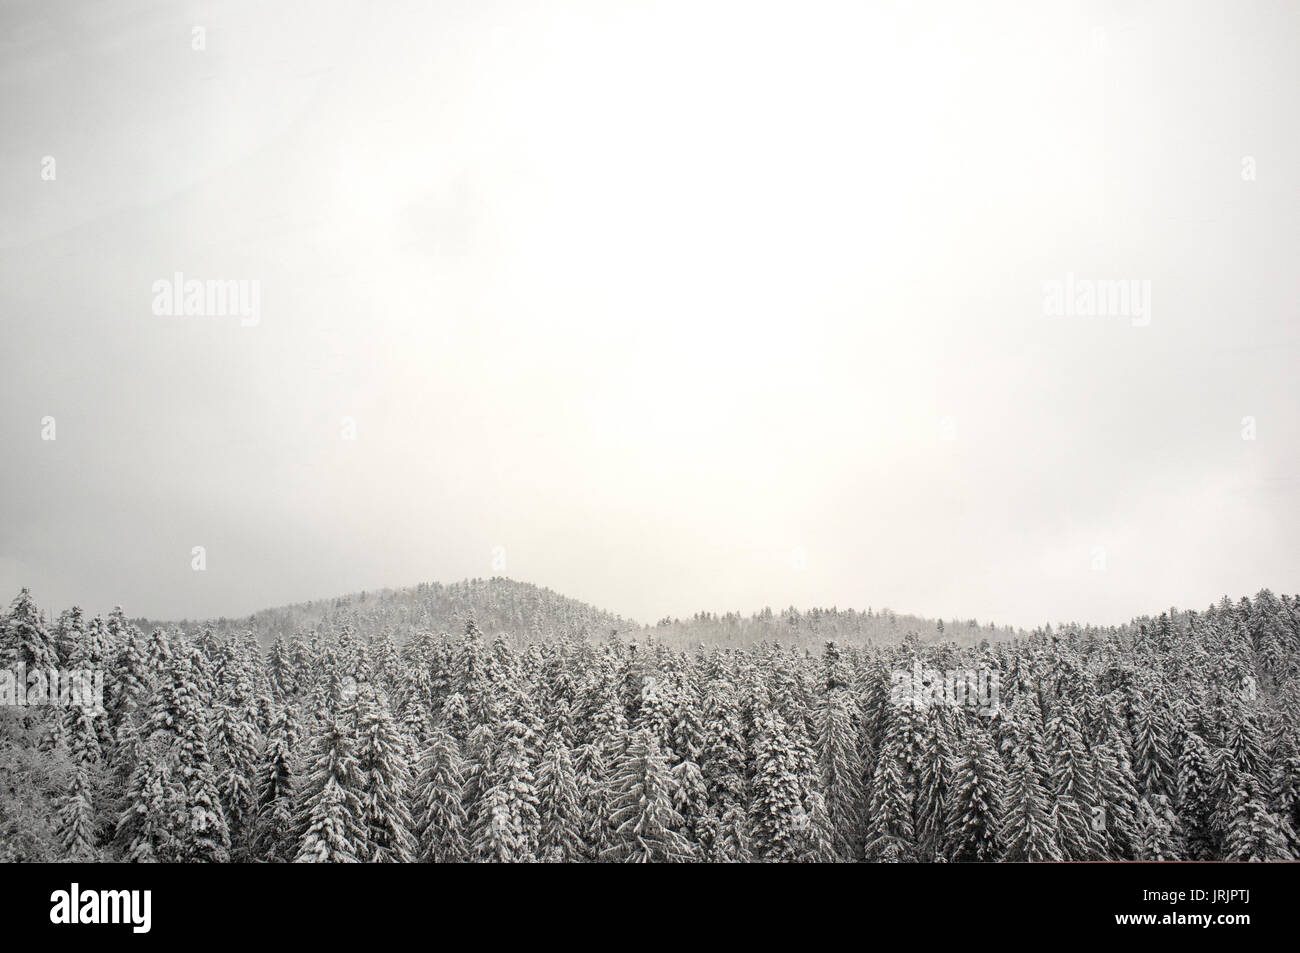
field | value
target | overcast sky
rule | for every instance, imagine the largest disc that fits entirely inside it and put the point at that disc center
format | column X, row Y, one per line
column 683, row 305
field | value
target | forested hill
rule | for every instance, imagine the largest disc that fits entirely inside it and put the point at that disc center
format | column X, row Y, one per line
column 526, row 613
column 523, row 611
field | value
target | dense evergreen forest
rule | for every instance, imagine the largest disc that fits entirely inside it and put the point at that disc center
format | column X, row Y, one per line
column 387, row 733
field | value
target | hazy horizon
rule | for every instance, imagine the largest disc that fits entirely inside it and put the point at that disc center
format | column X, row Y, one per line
column 667, row 308
column 745, row 611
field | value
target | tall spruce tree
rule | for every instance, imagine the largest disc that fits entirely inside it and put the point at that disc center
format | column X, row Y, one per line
column 560, row 805
column 645, row 827
column 975, row 807
column 442, row 825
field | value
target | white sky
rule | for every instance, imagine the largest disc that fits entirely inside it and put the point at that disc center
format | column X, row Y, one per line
column 652, row 295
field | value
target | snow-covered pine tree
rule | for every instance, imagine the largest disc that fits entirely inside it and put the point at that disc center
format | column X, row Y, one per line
column 236, row 739
column 1070, row 786
column 1112, row 779
column 23, row 636
column 281, row 672
column 384, row 782
column 723, row 765
column 1153, row 768
column 276, row 785
column 691, row 800
column 172, row 810
column 841, row 771
column 1029, row 832
column 442, row 824
column 687, row 719
column 1254, row 832
column 77, row 827
column 975, row 805
column 208, row 838
column 645, row 827
column 1158, row 829
column 819, row 844
column 84, row 724
column 506, row 824
column 559, row 805
column 934, row 786
column 592, row 778
column 153, row 818
column 1196, row 788
column 329, row 809
column 891, row 836
column 730, row 837
column 1286, row 769
column 779, row 820
column 332, row 832
column 654, row 713
column 455, row 719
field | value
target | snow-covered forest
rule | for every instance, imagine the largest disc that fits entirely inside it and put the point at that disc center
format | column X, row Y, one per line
column 364, row 731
